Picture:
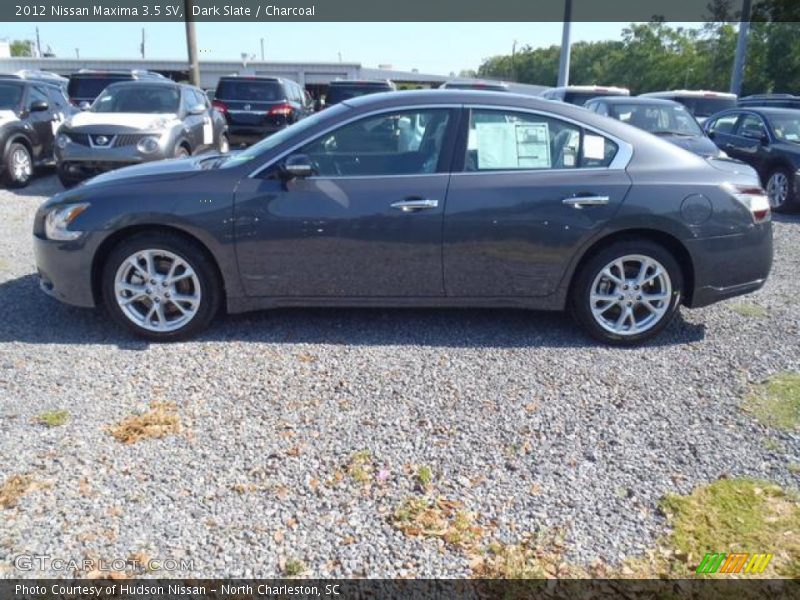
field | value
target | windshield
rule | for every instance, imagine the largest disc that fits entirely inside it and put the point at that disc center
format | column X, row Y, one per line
column 786, row 128
column 705, row 107
column 10, row 96
column 276, row 139
column 90, row 87
column 138, row 98
column 340, row 93
column 657, row 119
column 253, row 90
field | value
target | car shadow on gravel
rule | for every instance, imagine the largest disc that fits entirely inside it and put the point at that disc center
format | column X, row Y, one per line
column 30, row 316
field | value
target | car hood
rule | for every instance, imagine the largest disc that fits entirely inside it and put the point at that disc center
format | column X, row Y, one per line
column 699, row 144
column 119, row 121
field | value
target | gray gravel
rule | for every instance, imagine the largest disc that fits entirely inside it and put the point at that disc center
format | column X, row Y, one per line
column 518, row 415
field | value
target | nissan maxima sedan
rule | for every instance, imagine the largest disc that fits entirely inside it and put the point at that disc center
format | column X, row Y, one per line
column 430, row 198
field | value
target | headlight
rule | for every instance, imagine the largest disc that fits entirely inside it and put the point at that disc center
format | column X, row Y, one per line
column 148, row 145
column 57, row 221
column 62, row 140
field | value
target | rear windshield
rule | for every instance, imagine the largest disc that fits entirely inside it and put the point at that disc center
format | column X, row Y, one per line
column 89, row 87
column 705, row 107
column 340, row 93
column 10, row 96
column 252, row 90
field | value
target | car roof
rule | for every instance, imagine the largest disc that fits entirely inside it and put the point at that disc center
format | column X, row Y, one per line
column 636, row 100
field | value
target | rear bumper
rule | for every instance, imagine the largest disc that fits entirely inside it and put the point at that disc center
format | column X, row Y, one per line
column 730, row 266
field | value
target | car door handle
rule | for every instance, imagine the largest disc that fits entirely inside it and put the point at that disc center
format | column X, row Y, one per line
column 581, row 201
column 415, row 204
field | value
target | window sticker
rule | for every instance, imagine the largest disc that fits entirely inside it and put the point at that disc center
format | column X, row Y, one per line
column 594, row 147
column 513, row 145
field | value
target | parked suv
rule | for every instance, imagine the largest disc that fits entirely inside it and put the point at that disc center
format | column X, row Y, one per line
column 255, row 107
column 773, row 100
column 134, row 122
column 701, row 103
column 31, row 113
column 344, row 89
column 85, row 85
column 580, row 94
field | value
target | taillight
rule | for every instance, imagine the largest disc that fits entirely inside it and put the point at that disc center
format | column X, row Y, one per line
column 220, row 106
column 753, row 198
column 283, row 110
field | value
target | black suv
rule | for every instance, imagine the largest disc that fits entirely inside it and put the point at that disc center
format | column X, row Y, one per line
column 85, row 85
column 30, row 114
column 344, row 89
column 255, row 107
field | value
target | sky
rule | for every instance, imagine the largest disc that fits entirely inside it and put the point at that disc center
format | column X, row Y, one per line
column 437, row 48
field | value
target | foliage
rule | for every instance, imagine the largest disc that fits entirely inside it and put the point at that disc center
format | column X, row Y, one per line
column 656, row 56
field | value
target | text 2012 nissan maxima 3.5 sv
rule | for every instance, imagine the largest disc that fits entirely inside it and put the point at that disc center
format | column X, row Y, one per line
column 430, row 198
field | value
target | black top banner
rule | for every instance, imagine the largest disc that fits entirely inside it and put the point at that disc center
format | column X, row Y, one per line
column 392, row 10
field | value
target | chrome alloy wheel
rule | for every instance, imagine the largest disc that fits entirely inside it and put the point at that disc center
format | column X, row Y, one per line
column 157, row 290
column 777, row 189
column 630, row 295
column 21, row 165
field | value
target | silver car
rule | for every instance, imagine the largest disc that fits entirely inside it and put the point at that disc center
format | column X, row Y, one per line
column 135, row 122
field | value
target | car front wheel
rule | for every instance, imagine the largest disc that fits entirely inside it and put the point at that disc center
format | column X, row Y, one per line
column 780, row 189
column 162, row 287
column 627, row 293
column 18, row 165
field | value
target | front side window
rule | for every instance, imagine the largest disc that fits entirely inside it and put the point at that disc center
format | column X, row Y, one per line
column 501, row 141
column 138, row 98
column 399, row 143
column 752, row 126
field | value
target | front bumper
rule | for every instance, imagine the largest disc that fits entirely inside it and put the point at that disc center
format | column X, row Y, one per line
column 65, row 269
column 731, row 265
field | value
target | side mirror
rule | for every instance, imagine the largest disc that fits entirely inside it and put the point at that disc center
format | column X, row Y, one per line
column 39, row 105
column 84, row 105
column 297, row 165
column 197, row 109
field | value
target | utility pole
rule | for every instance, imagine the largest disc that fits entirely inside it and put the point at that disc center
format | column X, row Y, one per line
column 741, row 49
column 38, row 44
column 262, row 49
column 141, row 46
column 191, row 44
column 563, row 64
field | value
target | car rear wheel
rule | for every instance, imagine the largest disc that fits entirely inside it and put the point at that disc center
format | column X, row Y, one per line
column 18, row 165
column 628, row 292
column 162, row 287
column 780, row 189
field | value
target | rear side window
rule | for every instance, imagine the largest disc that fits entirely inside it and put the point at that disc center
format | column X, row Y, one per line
column 253, row 90
column 502, row 141
column 90, row 87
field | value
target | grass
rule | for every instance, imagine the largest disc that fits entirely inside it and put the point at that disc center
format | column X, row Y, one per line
column 423, row 516
column 776, row 402
column 749, row 310
column 161, row 420
column 294, row 567
column 13, row 489
column 52, row 418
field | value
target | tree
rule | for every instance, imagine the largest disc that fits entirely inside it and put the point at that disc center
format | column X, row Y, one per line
column 21, row 48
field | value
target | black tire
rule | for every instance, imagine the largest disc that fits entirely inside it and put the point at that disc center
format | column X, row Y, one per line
column 182, row 151
column 13, row 177
column 187, row 250
column 790, row 202
column 581, row 290
column 65, row 178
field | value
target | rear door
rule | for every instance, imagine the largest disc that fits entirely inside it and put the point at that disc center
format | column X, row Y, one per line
column 532, row 190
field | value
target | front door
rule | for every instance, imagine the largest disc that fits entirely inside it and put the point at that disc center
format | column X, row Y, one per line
column 367, row 223
column 533, row 189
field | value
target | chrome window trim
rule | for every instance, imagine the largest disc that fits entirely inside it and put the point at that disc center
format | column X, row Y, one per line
column 620, row 161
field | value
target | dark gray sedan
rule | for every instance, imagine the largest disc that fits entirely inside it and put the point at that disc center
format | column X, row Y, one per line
column 430, row 198
column 133, row 122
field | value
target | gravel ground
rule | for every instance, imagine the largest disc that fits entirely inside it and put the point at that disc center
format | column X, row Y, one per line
column 517, row 414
